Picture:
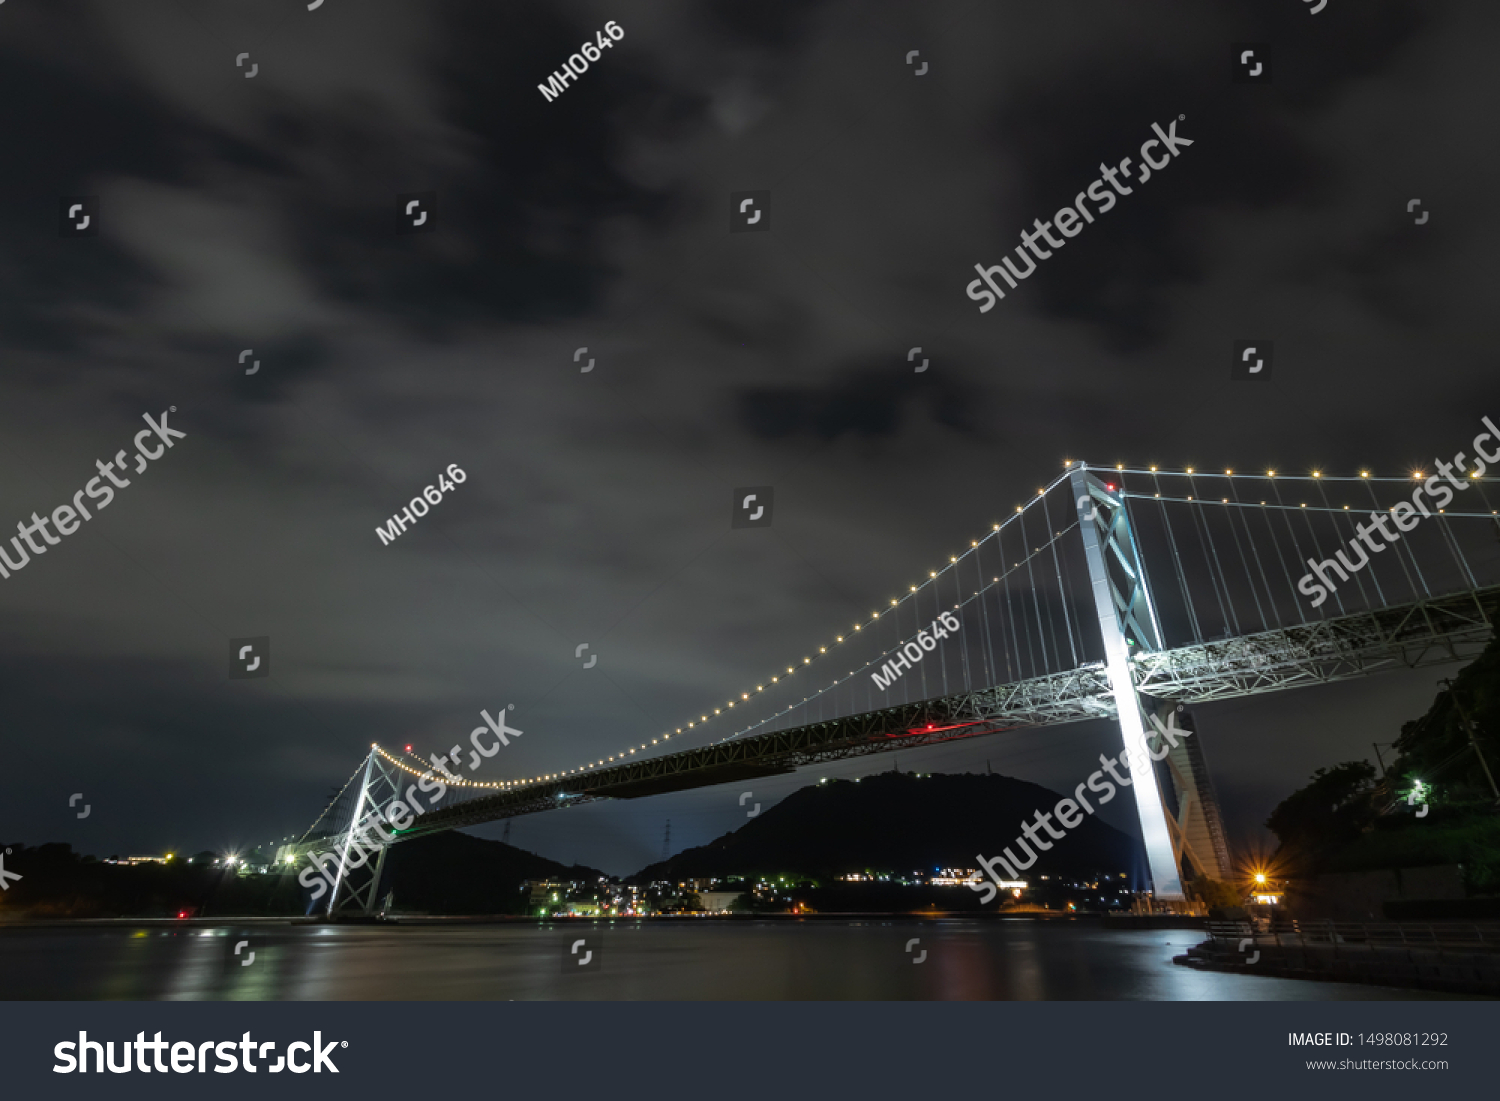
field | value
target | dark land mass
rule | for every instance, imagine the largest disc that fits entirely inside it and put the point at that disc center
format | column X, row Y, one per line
column 899, row 823
column 448, row 873
column 456, row 873
column 891, row 824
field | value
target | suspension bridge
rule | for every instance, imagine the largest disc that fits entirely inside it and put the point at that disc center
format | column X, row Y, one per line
column 1114, row 593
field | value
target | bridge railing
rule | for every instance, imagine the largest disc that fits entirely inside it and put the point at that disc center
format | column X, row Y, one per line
column 1470, row 936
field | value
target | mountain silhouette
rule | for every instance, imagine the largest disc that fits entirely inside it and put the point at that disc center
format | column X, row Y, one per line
column 895, row 822
column 457, row 873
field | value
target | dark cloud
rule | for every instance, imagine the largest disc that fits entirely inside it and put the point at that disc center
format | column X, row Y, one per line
column 865, row 402
column 257, row 214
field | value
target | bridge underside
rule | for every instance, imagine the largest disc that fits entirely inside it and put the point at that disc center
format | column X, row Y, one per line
column 1427, row 632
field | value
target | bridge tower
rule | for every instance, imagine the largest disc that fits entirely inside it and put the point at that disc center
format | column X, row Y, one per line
column 356, row 876
column 1189, row 839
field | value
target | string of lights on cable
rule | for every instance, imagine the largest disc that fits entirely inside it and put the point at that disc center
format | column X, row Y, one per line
column 808, row 664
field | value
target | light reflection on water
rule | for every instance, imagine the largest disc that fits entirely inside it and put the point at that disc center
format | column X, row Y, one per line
column 1018, row 960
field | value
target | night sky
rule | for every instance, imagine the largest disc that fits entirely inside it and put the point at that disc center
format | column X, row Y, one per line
column 259, row 213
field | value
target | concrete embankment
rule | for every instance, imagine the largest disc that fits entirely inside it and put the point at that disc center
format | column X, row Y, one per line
column 1458, row 958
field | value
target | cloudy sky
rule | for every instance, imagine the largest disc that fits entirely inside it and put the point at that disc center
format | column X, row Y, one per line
column 238, row 212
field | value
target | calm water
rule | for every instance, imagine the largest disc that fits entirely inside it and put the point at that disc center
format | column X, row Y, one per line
column 1007, row 960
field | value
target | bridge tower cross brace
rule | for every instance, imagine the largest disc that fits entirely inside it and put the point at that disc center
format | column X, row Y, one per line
column 1126, row 616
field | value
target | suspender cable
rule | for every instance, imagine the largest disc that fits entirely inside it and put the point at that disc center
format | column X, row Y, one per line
column 939, row 651
column 1057, row 565
column 1211, row 560
column 984, row 614
column 1375, row 501
column 1458, row 551
column 1483, row 496
column 1073, row 598
column 1231, row 511
column 1036, row 602
column 1374, row 574
column 1011, row 618
column 1280, row 557
column 1270, row 591
column 1318, row 552
column 1358, row 583
column 917, row 627
column 963, row 641
column 1187, row 596
column 1297, row 601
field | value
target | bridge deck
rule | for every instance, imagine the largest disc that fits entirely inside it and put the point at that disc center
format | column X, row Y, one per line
column 1441, row 629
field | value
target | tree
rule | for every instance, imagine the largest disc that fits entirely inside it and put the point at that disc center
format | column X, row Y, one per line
column 1214, row 894
column 1437, row 749
column 1330, row 810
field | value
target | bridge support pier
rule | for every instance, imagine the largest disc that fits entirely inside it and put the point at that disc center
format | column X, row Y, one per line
column 1199, row 843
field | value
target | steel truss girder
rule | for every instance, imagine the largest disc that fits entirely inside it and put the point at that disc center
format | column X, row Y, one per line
column 1425, row 632
column 1045, row 701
